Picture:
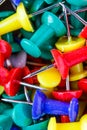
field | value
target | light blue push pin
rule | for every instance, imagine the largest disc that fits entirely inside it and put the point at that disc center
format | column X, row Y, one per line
column 51, row 26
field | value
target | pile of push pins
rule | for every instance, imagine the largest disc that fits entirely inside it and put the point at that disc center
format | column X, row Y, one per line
column 43, row 65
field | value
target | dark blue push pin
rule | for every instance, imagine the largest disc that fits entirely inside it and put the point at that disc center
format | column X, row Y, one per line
column 42, row 105
column 14, row 127
column 16, row 2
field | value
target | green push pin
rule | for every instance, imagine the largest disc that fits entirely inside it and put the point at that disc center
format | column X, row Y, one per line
column 27, row 3
column 21, row 115
column 39, row 126
column 51, row 26
column 26, row 34
column 75, row 5
column 9, row 38
column 46, row 50
column 5, row 122
column 4, row 14
column 36, row 5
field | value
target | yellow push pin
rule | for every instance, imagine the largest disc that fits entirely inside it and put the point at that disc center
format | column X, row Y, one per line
column 81, row 125
column 21, row 19
column 16, row 21
column 77, row 72
column 1, row 89
column 66, row 45
column 49, row 78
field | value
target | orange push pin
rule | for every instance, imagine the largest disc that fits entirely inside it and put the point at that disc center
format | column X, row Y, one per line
column 81, row 125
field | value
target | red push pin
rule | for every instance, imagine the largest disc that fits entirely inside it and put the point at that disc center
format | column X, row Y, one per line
column 63, row 61
column 5, row 51
column 13, row 82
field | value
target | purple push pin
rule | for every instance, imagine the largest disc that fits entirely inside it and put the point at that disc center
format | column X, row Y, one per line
column 42, row 105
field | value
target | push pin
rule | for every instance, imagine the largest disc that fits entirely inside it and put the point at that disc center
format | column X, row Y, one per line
column 21, row 18
column 37, row 5
column 81, row 125
column 53, row 107
column 67, row 60
column 10, row 39
column 66, row 44
column 14, row 79
column 5, row 51
column 48, row 81
column 37, row 41
column 77, row 5
column 83, row 33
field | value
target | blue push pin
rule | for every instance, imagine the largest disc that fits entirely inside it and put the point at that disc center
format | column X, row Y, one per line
column 16, row 2
column 14, row 127
column 42, row 105
column 51, row 26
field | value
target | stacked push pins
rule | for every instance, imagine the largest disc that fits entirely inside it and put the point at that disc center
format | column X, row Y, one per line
column 43, row 65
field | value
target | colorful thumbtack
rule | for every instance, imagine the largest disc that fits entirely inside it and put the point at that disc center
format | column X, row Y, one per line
column 18, row 59
column 73, row 43
column 41, row 125
column 42, row 105
column 14, row 79
column 48, row 27
column 37, row 5
column 25, row 111
column 66, row 60
column 66, row 44
column 77, row 72
column 20, row 18
column 48, row 81
column 81, row 125
column 5, row 122
column 16, row 2
column 66, row 95
column 10, row 39
column 74, row 6
column 83, row 33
